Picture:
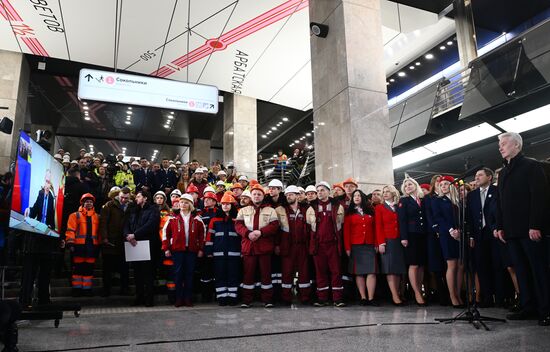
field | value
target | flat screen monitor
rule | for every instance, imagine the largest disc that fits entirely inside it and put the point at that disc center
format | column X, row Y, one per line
column 38, row 190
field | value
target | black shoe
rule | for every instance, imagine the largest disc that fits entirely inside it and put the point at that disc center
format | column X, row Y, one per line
column 269, row 305
column 125, row 292
column 10, row 338
column 363, row 302
column 545, row 321
column 523, row 314
column 106, row 293
column 76, row 292
column 137, row 302
column 246, row 305
column 339, row 304
column 222, row 302
column 87, row 293
column 402, row 304
column 515, row 308
column 320, row 304
column 459, row 306
column 373, row 303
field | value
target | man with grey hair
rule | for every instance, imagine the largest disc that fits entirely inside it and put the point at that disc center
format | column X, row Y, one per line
column 522, row 222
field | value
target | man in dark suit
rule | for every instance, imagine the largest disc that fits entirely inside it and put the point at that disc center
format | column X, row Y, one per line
column 481, row 222
column 43, row 209
column 522, row 223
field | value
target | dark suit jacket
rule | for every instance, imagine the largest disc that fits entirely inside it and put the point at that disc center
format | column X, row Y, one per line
column 36, row 210
column 144, row 224
column 445, row 215
column 411, row 217
column 523, row 198
column 474, row 213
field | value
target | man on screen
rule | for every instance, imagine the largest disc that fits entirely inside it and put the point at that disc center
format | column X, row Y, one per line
column 43, row 209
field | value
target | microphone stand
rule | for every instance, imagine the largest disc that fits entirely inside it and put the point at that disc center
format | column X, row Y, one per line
column 471, row 313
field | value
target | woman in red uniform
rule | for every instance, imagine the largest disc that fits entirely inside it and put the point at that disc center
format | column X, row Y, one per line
column 389, row 243
column 359, row 242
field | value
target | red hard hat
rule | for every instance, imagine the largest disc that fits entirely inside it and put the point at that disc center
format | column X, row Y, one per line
column 192, row 189
column 87, row 196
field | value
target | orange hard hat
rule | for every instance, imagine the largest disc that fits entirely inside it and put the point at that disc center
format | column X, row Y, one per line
column 339, row 185
column 87, row 196
column 350, row 180
column 257, row 187
column 228, row 198
column 236, row 185
column 253, row 182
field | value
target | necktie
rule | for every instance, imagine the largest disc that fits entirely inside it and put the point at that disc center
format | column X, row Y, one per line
column 483, row 194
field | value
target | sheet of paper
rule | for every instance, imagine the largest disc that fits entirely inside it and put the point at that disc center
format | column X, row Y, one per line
column 138, row 253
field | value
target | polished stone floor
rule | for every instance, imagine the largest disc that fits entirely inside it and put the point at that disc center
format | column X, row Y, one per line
column 212, row 328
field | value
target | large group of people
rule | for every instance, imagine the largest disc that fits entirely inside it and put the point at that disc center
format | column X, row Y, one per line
column 218, row 235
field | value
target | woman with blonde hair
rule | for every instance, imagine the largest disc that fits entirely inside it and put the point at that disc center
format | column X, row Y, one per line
column 412, row 232
column 389, row 243
column 446, row 224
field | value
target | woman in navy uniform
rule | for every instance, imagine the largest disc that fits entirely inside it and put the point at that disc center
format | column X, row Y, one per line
column 412, row 232
column 445, row 219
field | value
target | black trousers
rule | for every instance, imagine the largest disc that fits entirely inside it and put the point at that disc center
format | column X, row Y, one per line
column 114, row 263
column 36, row 265
column 143, row 275
column 530, row 261
column 489, row 266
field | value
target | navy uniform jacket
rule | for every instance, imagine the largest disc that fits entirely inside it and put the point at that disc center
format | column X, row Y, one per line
column 428, row 202
column 167, row 179
column 141, row 179
column 411, row 217
column 445, row 215
column 222, row 239
column 474, row 213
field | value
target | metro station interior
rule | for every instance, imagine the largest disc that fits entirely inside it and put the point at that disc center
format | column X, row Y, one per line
column 386, row 91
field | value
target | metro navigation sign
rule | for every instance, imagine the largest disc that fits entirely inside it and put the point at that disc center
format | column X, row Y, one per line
column 146, row 91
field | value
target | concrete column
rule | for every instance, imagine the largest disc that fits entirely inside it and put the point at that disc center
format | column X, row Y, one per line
column 465, row 31
column 14, row 82
column 240, row 144
column 200, row 150
column 352, row 134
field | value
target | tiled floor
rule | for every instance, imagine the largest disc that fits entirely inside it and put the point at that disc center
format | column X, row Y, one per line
column 211, row 328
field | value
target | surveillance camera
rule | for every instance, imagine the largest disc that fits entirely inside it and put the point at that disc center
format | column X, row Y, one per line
column 319, row 29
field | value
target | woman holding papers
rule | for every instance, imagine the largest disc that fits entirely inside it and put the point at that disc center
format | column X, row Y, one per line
column 184, row 242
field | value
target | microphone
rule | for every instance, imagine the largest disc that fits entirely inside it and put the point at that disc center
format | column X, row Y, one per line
column 470, row 172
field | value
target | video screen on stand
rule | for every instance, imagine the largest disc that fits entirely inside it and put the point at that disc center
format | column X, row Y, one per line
column 38, row 190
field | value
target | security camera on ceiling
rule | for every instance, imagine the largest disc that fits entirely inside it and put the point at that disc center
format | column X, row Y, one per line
column 319, row 29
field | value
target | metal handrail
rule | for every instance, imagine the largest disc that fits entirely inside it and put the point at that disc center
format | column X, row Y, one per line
column 450, row 92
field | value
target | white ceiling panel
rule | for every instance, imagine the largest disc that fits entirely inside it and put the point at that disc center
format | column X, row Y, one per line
column 271, row 35
column 90, row 29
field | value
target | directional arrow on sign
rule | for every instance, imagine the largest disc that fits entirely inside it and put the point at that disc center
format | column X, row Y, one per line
column 89, row 77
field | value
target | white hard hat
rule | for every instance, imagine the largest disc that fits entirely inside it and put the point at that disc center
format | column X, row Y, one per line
column 160, row 193
column 322, row 184
column 114, row 189
column 209, row 189
column 188, row 198
column 66, row 159
column 243, row 178
column 275, row 183
column 311, row 188
column 177, row 192
column 292, row 189
column 220, row 183
column 172, row 166
column 301, row 189
column 135, row 163
column 246, row 193
column 57, row 156
column 221, row 172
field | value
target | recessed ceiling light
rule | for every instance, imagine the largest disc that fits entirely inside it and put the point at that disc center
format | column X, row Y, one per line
column 308, row 134
column 392, row 80
column 156, row 151
column 321, row 123
column 387, row 83
column 86, row 113
column 285, row 119
column 264, row 136
column 129, row 108
column 417, row 63
column 291, row 145
column 91, row 145
column 442, row 47
column 449, row 43
column 128, row 118
column 129, row 112
column 127, row 122
column 87, row 118
column 85, row 107
column 166, row 126
column 296, row 141
column 170, row 117
column 401, row 74
column 411, row 67
column 274, row 128
column 429, row 56
column 84, row 103
column 171, row 112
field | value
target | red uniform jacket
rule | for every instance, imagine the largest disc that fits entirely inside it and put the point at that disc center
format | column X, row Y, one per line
column 387, row 227
column 358, row 229
column 312, row 216
column 298, row 230
column 263, row 218
column 174, row 239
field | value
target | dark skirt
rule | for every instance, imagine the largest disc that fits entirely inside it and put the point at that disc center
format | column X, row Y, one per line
column 417, row 249
column 393, row 260
column 362, row 260
column 450, row 248
column 436, row 263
